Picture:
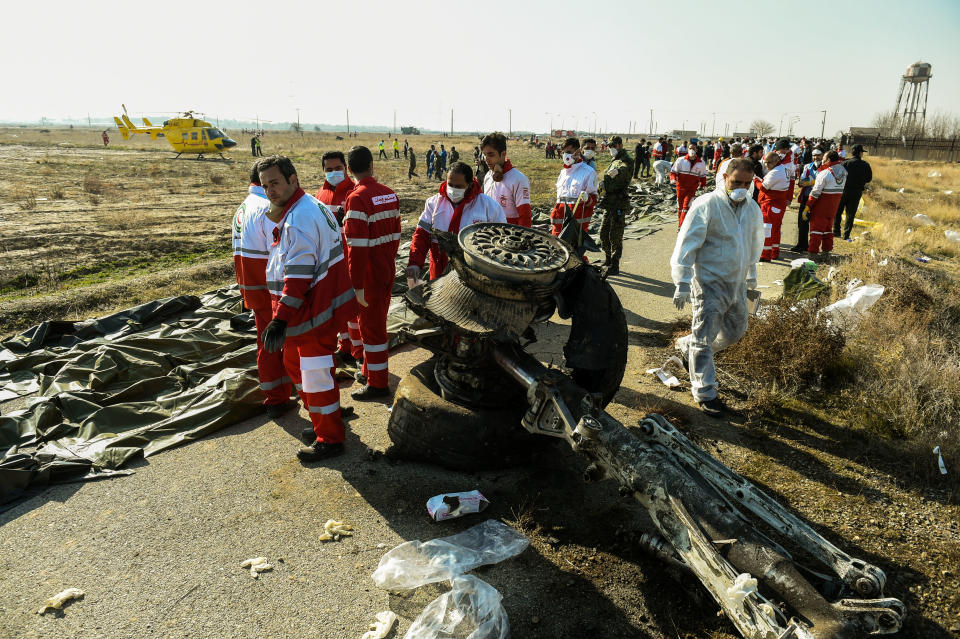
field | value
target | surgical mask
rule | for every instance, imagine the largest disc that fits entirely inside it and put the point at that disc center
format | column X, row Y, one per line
column 334, row 177
column 613, row 152
column 737, row 195
column 691, row 153
column 455, row 195
column 782, row 154
column 567, row 159
column 588, row 154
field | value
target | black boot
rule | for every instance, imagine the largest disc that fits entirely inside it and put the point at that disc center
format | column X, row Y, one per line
column 276, row 410
column 308, row 435
column 319, row 450
column 369, row 392
column 712, row 407
column 612, row 269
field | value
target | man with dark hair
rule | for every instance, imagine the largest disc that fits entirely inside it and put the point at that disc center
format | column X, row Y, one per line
column 714, row 263
column 824, row 201
column 645, row 159
column 383, row 154
column 411, row 171
column 615, row 203
column 430, row 153
column 454, row 155
column 459, row 204
column 807, row 180
column 396, row 149
column 505, row 184
column 372, row 229
column 637, row 154
column 576, row 189
column 859, row 174
column 438, row 165
column 252, row 235
column 443, row 160
column 784, row 149
column 588, row 152
column 333, row 193
column 773, row 200
column 312, row 300
column 689, row 173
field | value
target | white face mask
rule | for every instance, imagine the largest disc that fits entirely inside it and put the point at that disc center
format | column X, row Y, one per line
column 334, row 177
column 455, row 195
column 567, row 159
column 691, row 154
column 737, row 195
column 588, row 154
column 613, row 152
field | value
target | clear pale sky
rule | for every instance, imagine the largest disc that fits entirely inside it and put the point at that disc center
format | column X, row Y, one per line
column 685, row 59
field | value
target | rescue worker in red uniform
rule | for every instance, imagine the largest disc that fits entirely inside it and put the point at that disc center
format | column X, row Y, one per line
column 576, row 189
column 252, row 235
column 312, row 300
column 690, row 173
column 459, row 204
column 505, row 183
column 372, row 229
column 784, row 150
column 773, row 197
column 333, row 192
column 824, row 201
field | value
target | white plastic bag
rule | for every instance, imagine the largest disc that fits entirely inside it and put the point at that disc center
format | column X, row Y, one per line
column 953, row 236
column 848, row 310
column 472, row 604
column 925, row 220
column 415, row 563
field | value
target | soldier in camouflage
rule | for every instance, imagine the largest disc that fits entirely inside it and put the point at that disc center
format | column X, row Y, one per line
column 615, row 204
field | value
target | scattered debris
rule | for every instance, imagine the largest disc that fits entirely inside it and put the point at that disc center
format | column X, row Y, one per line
column 669, row 379
column 803, row 262
column 380, row 628
column 943, row 466
column 925, row 220
column 900, row 190
column 743, row 586
column 453, row 505
column 953, row 236
column 924, row 258
column 778, row 282
column 56, row 602
column 256, row 566
column 948, row 192
column 334, row 530
column 934, row 174
column 473, row 606
column 857, row 301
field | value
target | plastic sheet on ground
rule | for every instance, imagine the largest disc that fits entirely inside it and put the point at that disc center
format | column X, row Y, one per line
column 133, row 383
column 415, row 563
column 472, row 605
column 848, row 310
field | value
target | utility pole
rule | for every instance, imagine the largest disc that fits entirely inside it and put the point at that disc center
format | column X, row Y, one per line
column 298, row 121
column 823, row 123
column 510, row 122
column 651, row 122
column 394, row 122
column 713, row 128
column 348, row 122
column 451, row 122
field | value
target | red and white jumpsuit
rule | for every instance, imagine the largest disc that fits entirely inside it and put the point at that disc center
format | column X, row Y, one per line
column 512, row 193
column 311, row 290
column 372, row 229
column 252, row 235
column 334, row 197
column 824, row 201
column 773, row 198
column 717, row 156
column 689, row 174
column 573, row 180
column 790, row 168
column 440, row 214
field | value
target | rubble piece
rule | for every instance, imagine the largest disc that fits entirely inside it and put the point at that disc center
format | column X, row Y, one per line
column 943, row 466
column 256, row 566
column 473, row 604
column 380, row 628
column 925, row 220
column 669, row 379
column 453, row 505
column 953, row 236
column 415, row 563
column 743, row 586
column 56, row 602
column 334, row 530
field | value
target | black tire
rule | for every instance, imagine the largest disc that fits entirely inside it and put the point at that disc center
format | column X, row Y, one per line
column 424, row 426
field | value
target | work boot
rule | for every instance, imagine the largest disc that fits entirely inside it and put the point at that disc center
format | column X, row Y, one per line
column 613, row 268
column 712, row 407
column 308, row 435
column 319, row 450
column 369, row 392
column 346, row 358
column 276, row 410
column 360, row 377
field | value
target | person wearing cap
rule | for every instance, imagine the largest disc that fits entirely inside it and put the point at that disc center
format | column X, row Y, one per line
column 615, row 203
column 807, row 179
column 859, row 174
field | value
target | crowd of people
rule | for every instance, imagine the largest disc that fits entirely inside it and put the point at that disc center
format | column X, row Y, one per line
column 318, row 270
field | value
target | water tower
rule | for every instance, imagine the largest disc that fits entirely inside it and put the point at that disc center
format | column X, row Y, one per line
column 911, row 108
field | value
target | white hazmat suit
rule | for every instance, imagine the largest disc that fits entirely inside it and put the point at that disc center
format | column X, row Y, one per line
column 716, row 260
column 662, row 169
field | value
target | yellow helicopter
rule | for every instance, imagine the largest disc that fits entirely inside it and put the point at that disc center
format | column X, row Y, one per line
column 186, row 134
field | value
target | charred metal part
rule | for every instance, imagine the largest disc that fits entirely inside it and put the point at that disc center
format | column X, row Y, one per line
column 700, row 507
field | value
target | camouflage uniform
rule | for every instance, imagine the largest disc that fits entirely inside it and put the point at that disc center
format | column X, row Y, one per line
column 454, row 156
column 437, row 166
column 615, row 203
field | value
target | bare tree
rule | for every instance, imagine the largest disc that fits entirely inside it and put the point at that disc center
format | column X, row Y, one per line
column 761, row 128
column 942, row 125
column 886, row 123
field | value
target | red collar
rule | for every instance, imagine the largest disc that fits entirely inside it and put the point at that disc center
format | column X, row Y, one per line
column 472, row 193
column 507, row 166
column 367, row 180
column 824, row 166
column 278, row 230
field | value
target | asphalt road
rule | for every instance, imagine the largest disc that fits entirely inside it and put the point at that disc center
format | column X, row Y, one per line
column 158, row 553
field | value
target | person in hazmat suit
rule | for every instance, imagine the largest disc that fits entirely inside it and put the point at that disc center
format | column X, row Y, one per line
column 714, row 263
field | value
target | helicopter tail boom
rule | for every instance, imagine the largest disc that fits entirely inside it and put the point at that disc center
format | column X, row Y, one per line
column 124, row 131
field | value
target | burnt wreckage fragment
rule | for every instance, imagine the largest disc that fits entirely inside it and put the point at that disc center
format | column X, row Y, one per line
column 460, row 409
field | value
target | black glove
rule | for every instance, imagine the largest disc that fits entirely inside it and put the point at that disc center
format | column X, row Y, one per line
column 274, row 335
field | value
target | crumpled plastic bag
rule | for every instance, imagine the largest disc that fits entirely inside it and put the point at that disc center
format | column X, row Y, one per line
column 382, row 626
column 743, row 586
column 953, row 236
column 669, row 379
column 415, row 563
column 472, row 603
column 925, row 220
column 848, row 310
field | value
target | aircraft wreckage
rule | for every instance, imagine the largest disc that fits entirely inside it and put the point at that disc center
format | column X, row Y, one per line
column 482, row 390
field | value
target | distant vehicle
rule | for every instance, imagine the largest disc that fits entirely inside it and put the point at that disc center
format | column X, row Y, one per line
column 409, row 130
column 186, row 134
